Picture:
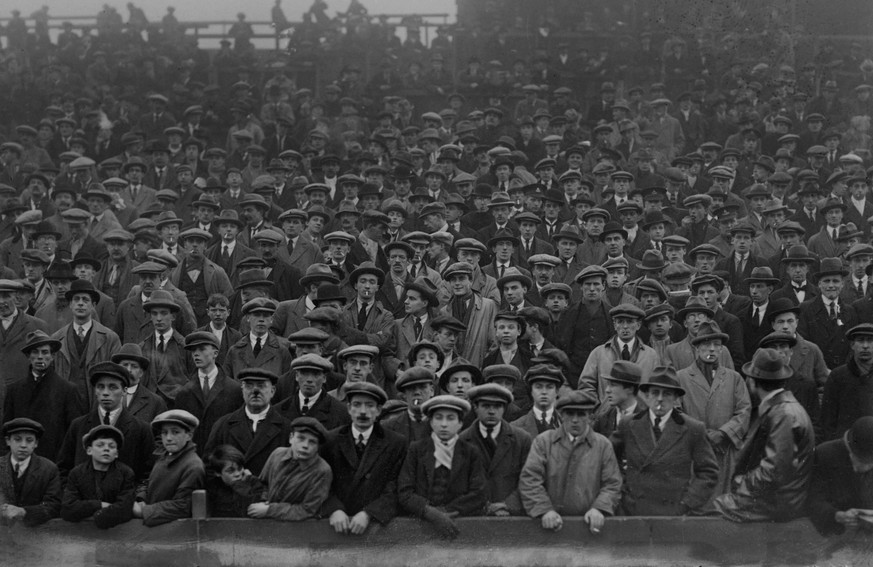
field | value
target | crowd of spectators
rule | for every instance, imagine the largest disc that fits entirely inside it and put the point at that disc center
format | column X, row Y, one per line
column 496, row 273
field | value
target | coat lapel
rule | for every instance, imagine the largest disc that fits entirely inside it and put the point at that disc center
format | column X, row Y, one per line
column 347, row 447
column 372, row 454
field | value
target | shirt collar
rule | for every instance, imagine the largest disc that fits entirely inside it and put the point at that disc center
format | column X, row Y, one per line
column 211, row 375
column 22, row 464
column 664, row 417
column 113, row 415
column 257, row 416
column 356, row 433
column 253, row 339
column 312, row 399
column 167, row 335
column 538, row 413
column 85, row 326
column 495, row 431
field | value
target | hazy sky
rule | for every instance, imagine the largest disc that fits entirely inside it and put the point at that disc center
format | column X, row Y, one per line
column 224, row 9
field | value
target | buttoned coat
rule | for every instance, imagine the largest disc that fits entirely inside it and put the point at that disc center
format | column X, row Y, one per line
column 107, row 223
column 40, row 494
column 670, row 476
column 465, row 490
column 405, row 332
column 86, row 489
column 145, row 405
column 275, row 356
column 601, row 360
column 12, row 340
column 240, row 252
column 136, row 452
column 126, row 280
column 810, row 377
column 570, row 478
column 367, row 484
column 235, row 429
column 824, row 246
column 288, row 318
column 816, row 326
column 102, row 344
column 168, row 371
column 504, row 467
column 225, row 396
column 51, row 401
column 329, row 411
column 171, row 485
column 304, row 254
column 478, row 339
column 774, row 466
column 579, row 333
column 378, row 329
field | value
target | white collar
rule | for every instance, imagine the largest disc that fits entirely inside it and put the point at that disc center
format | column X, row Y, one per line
column 256, row 417
column 85, row 326
column 167, row 336
column 312, row 399
column 211, row 375
column 113, row 415
column 495, row 431
column 356, row 433
column 664, row 418
column 538, row 413
column 253, row 339
column 630, row 344
column 21, row 464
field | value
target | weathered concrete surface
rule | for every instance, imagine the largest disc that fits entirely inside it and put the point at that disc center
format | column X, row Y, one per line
column 482, row 543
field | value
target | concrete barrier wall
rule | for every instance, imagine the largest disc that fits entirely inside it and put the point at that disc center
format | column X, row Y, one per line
column 483, row 542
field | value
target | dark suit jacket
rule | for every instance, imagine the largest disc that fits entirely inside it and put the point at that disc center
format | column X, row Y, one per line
column 328, row 410
column 738, row 280
column 860, row 219
column 753, row 332
column 604, row 420
column 488, row 232
column 288, row 317
column 229, row 337
column 538, row 246
column 225, row 396
column 369, row 483
column 503, row 469
column 168, row 371
column 40, row 493
column 528, row 423
column 735, row 304
column 286, row 281
column 731, row 325
column 235, row 429
column 835, row 487
column 387, row 296
column 816, row 326
column 136, row 452
column 465, row 491
column 240, row 251
column 668, row 476
column 788, row 291
column 146, row 405
column 579, row 333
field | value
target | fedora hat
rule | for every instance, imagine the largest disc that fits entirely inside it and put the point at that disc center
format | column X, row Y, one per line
column 318, row 273
column 626, row 372
column 709, row 332
column 35, row 339
column 694, row 304
column 130, row 351
column 653, row 261
column 161, row 298
column 663, row 377
column 767, row 365
column 367, row 268
column 329, row 292
column 426, row 288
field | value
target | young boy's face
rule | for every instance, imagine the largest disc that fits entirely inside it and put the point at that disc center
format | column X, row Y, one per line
column 218, row 314
column 459, row 383
column 231, row 473
column 507, row 332
column 304, row 445
column 427, row 359
column 22, row 444
column 544, row 394
column 174, row 437
column 103, row 450
column 445, row 423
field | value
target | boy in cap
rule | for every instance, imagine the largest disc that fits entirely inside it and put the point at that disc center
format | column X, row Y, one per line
column 209, row 393
column 165, row 347
column 298, row 480
column 177, row 473
column 365, row 459
column 101, row 489
column 108, row 382
column 29, row 484
column 260, row 347
column 543, row 381
column 502, row 447
column 509, row 327
column 546, row 484
column 442, row 476
column 665, row 478
column 356, row 362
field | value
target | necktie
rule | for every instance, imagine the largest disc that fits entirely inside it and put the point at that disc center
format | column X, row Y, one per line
column 490, row 444
column 362, row 317
column 502, row 270
column 657, row 427
column 832, row 310
column 257, row 349
column 290, row 245
column 418, row 328
column 225, row 253
column 543, row 421
column 741, row 263
column 106, row 418
column 859, row 286
column 113, row 274
column 162, row 346
column 755, row 316
column 133, row 191
column 254, row 426
column 527, row 247
column 305, row 409
column 811, row 215
column 205, row 387
column 17, row 469
column 412, row 270
column 625, row 353
column 81, row 333
column 360, row 445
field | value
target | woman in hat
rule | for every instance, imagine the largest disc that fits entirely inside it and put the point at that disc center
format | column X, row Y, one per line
column 177, row 473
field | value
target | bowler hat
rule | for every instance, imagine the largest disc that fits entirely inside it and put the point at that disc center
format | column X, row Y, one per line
column 830, row 267
column 131, row 351
column 83, row 286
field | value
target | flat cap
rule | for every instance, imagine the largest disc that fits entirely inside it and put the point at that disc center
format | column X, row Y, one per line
column 446, row 402
column 413, row 377
column 108, row 370
column 259, row 304
column 257, row 374
column 366, row 389
column 22, row 424
column 311, row 362
column 178, row 417
column 200, row 338
column 366, row 350
column 576, row 400
column 494, row 371
column 309, row 336
column 102, row 431
column 494, row 393
column 627, row 310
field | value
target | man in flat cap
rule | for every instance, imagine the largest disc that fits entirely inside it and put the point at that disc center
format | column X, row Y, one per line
column 473, row 310
column 310, row 397
column 14, row 328
column 545, row 484
column 623, row 345
column 356, row 364
column 502, row 447
column 257, row 428
column 587, row 324
column 197, row 276
column 108, row 382
column 210, row 393
column 365, row 459
column 170, row 364
column 414, row 387
column 260, row 347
